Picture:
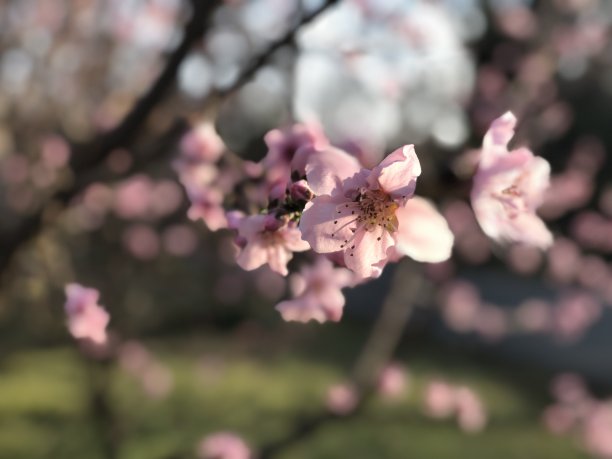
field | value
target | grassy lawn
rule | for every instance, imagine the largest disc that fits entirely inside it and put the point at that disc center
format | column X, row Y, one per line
column 256, row 387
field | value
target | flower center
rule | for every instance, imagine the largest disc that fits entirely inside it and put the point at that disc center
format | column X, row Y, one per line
column 377, row 209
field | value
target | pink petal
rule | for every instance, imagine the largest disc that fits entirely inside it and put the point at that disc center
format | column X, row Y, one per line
column 327, row 168
column 368, row 252
column 252, row 256
column 318, row 227
column 397, row 173
column 423, row 232
column 496, row 139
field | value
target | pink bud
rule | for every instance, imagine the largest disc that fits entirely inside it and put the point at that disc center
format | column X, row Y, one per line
column 300, row 191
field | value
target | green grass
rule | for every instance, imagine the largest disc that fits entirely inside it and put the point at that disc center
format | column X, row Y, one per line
column 256, row 387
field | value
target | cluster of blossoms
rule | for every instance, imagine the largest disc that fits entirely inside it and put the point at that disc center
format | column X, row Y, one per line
column 576, row 412
column 309, row 195
column 320, row 198
column 443, row 400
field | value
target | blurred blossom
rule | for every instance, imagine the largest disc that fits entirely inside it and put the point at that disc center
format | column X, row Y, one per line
column 223, row 445
column 443, row 400
column 534, row 316
column 568, row 191
column 471, row 414
column 141, row 241
column 157, row 381
column 491, row 322
column 392, row 381
column 439, row 399
column 563, row 260
column 15, row 169
column 524, row 259
column 460, row 305
column 569, row 388
column 341, row 399
column 55, row 152
column 166, row 198
column 179, row 240
column 86, row 318
column 202, row 144
column 574, row 314
column 559, row 419
column 317, row 293
column 509, row 187
column 133, row 197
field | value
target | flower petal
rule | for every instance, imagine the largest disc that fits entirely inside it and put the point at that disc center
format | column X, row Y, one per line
column 423, row 233
column 323, row 227
column 370, row 250
column 328, row 167
column 397, row 173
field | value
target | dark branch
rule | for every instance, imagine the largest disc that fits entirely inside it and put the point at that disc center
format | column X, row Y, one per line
column 260, row 60
column 88, row 156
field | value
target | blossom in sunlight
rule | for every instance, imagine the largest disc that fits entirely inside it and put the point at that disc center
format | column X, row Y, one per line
column 371, row 216
column 268, row 240
column 316, row 293
column 223, row 445
column 508, row 188
column 86, row 318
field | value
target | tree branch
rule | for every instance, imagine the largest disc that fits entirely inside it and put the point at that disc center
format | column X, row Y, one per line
column 377, row 352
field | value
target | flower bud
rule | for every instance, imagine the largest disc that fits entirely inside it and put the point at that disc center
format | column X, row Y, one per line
column 300, row 191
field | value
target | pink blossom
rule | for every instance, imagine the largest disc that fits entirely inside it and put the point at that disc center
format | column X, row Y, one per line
column 283, row 145
column 471, row 414
column 392, row 381
column 369, row 214
column 341, row 399
column 207, row 204
column 86, row 319
column 202, row 144
column 223, row 445
column 267, row 240
column 508, row 188
column 597, row 428
column 316, row 293
column 439, row 399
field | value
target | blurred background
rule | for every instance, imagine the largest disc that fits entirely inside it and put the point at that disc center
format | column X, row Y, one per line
column 90, row 196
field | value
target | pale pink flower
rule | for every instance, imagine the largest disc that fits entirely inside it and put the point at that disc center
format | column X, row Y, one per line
column 392, row 381
column 369, row 214
column 596, row 431
column 202, row 144
column 439, row 399
column 471, row 414
column 86, row 318
column 509, row 187
column 282, row 158
column 223, row 445
column 559, row 419
column 207, row 204
column 341, row 399
column 316, row 293
column 268, row 240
